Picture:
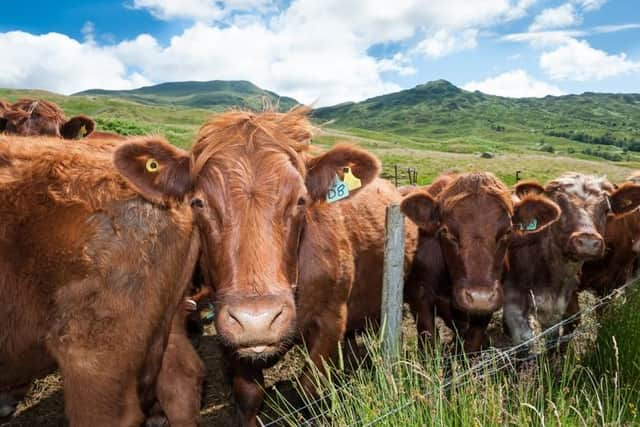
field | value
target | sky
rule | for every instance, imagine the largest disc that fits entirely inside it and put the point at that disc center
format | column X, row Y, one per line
column 324, row 51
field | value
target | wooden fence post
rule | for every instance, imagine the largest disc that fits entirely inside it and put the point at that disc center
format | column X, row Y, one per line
column 392, row 284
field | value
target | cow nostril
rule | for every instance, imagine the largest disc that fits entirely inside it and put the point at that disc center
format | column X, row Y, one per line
column 277, row 315
column 235, row 318
column 469, row 296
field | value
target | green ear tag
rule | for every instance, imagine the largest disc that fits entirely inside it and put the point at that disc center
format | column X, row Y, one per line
column 338, row 191
column 352, row 181
column 533, row 224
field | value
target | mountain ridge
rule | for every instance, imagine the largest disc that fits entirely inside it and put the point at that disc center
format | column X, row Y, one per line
column 212, row 94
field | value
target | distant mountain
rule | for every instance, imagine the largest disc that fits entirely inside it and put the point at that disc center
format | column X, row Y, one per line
column 214, row 95
column 441, row 110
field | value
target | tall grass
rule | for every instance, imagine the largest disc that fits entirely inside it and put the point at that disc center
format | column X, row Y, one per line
column 599, row 388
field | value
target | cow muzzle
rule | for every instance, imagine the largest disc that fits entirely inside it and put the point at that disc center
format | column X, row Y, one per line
column 479, row 300
column 586, row 245
column 256, row 326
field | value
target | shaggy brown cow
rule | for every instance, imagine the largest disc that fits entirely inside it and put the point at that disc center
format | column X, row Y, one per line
column 92, row 276
column 285, row 262
column 4, row 107
column 622, row 246
column 466, row 222
column 29, row 117
column 545, row 269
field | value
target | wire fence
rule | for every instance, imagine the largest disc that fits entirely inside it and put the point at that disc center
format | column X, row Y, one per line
column 495, row 358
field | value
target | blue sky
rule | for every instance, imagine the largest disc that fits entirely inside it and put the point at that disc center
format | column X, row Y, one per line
column 326, row 51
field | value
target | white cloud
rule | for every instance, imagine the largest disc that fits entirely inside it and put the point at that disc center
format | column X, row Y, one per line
column 199, row 10
column 615, row 28
column 312, row 50
column 590, row 5
column 541, row 39
column 557, row 17
column 61, row 64
column 398, row 63
column 89, row 31
column 576, row 60
column 169, row 9
column 444, row 42
column 514, row 84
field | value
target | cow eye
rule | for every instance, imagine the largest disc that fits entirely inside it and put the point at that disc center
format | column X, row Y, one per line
column 197, row 203
column 302, row 201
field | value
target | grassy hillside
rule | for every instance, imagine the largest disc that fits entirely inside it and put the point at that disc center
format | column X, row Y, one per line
column 216, row 95
column 435, row 139
column 441, row 117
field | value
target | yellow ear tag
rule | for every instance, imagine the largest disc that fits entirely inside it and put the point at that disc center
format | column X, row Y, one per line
column 152, row 165
column 353, row 182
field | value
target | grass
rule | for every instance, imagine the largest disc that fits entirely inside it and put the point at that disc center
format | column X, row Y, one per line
column 598, row 388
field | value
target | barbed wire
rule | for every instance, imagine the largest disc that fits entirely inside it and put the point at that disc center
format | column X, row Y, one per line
column 508, row 356
column 515, row 349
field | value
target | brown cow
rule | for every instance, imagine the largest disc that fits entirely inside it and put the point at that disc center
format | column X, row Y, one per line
column 545, row 268
column 285, row 262
column 4, row 107
column 466, row 222
column 92, row 276
column 29, row 117
column 622, row 246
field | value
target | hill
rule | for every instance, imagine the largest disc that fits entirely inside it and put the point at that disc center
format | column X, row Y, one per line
column 216, row 95
column 441, row 116
column 433, row 128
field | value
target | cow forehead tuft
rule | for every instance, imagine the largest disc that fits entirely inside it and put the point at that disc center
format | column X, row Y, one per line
column 581, row 186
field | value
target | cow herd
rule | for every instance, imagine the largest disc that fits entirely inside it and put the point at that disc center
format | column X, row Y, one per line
column 101, row 239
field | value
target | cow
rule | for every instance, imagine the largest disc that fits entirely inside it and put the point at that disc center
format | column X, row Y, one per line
column 544, row 269
column 622, row 246
column 4, row 107
column 286, row 257
column 92, row 277
column 466, row 223
column 30, row 117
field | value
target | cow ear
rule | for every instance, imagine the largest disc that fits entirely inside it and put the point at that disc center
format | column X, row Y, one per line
column 625, row 198
column 77, row 127
column 155, row 169
column 528, row 187
column 534, row 213
column 322, row 169
column 421, row 208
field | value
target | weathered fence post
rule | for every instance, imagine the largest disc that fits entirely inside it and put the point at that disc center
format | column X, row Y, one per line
column 392, row 283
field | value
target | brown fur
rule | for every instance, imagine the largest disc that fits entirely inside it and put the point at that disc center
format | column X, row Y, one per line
column 466, row 226
column 79, row 300
column 622, row 240
column 29, row 117
column 547, row 267
column 272, row 246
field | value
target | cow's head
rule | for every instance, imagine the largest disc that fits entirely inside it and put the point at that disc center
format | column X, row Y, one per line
column 252, row 187
column 32, row 118
column 474, row 218
column 586, row 203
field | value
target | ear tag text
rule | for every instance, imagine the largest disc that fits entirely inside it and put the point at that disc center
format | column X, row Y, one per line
column 152, row 165
column 533, row 224
column 338, row 191
column 352, row 181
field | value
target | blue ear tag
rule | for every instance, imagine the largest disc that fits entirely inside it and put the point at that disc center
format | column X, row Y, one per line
column 338, row 191
column 533, row 224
